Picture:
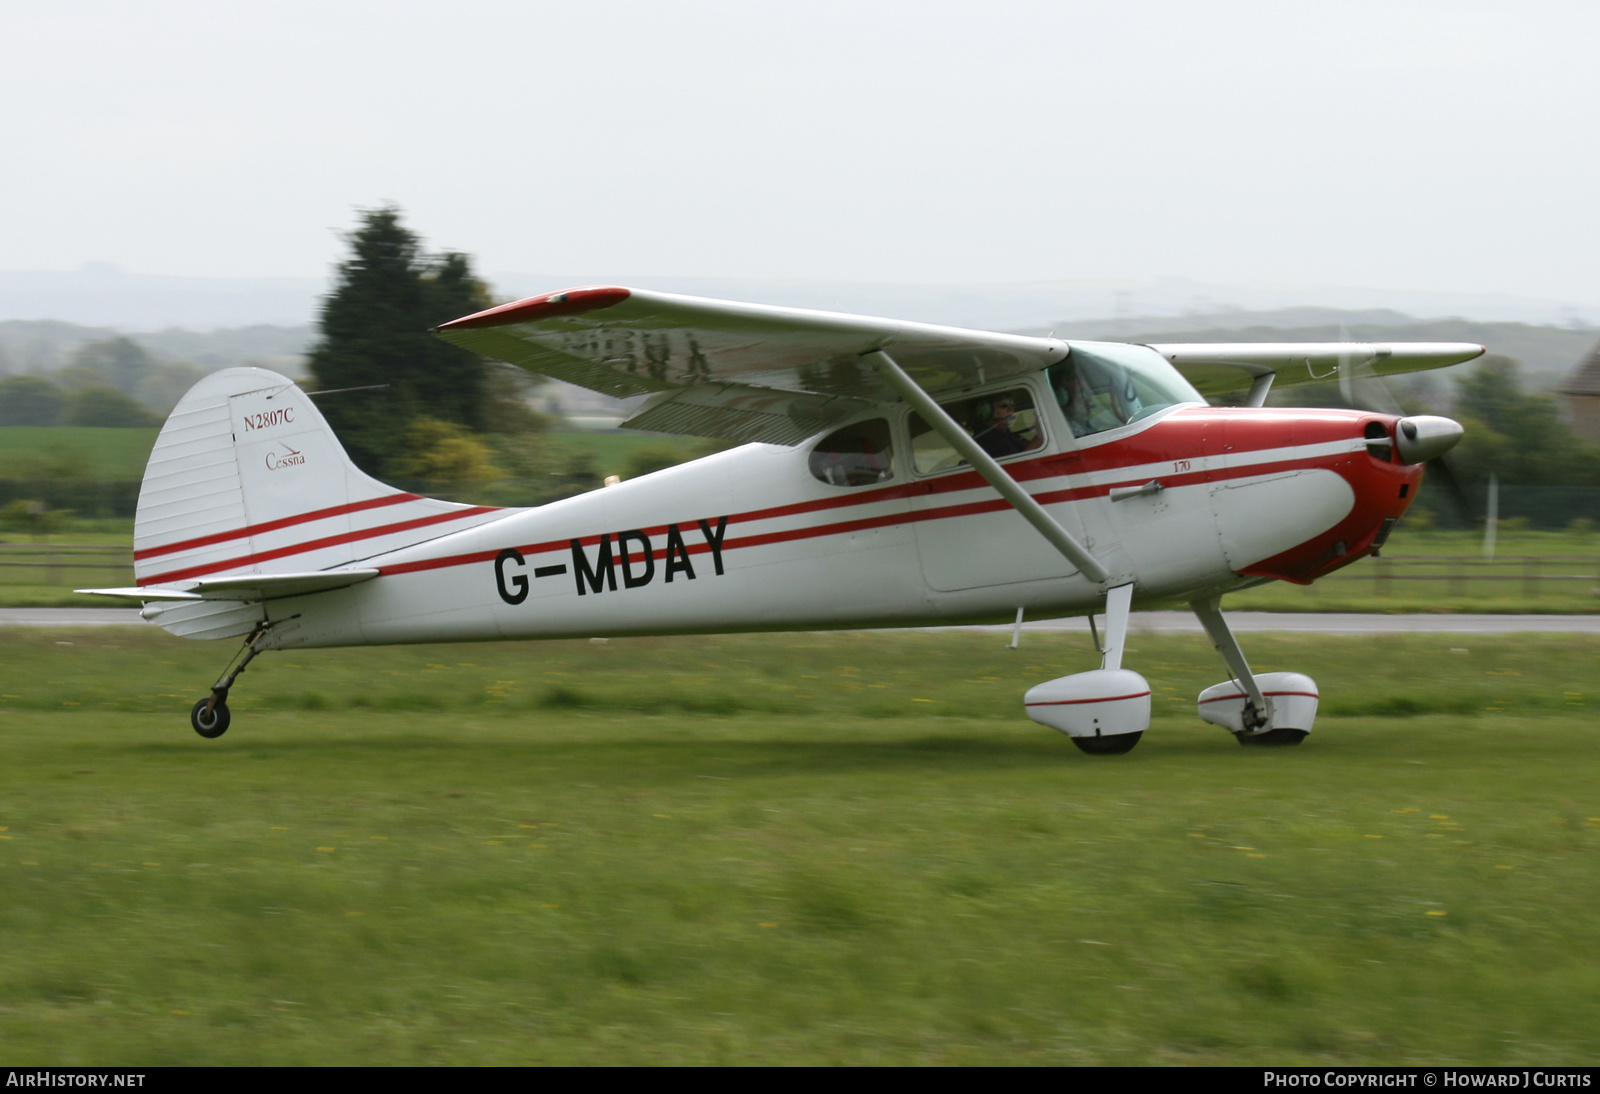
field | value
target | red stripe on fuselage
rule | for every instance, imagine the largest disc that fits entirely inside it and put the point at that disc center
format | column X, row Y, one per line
column 313, row 545
column 843, row 527
column 273, row 525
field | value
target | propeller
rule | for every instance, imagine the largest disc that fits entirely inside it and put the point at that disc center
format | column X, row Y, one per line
column 1421, row 438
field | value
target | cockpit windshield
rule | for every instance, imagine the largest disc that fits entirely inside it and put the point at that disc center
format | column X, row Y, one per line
column 1102, row 385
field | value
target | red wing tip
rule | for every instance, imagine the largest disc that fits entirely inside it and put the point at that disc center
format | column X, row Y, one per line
column 551, row 305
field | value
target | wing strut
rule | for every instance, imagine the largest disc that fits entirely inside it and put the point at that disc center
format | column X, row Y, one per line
column 984, row 464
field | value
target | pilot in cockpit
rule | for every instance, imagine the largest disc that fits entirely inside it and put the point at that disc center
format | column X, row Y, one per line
column 1093, row 397
column 994, row 427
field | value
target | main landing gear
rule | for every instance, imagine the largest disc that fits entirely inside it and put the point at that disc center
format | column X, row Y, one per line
column 1106, row 711
column 210, row 716
column 1269, row 708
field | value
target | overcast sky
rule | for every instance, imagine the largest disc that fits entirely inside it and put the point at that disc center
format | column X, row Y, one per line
column 1408, row 145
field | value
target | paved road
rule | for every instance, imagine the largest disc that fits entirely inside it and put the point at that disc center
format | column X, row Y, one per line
column 1330, row 623
column 1149, row 622
column 69, row 617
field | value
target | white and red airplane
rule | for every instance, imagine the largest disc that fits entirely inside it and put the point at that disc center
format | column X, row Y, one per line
column 895, row 474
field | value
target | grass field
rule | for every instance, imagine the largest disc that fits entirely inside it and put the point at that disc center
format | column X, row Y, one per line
column 122, row 453
column 612, row 449
column 98, row 453
column 792, row 849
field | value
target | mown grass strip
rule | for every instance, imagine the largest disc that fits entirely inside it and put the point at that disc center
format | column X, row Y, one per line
column 877, row 860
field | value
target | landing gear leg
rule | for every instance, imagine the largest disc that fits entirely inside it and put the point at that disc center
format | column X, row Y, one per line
column 210, row 716
column 1258, row 720
column 1257, row 711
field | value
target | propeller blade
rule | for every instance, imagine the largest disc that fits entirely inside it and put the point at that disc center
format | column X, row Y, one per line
column 1347, row 382
column 1360, row 386
column 1440, row 465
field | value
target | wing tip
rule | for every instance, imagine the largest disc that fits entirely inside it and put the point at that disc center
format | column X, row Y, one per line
column 550, row 305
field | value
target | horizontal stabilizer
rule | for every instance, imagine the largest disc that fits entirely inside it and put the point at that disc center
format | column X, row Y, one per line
column 245, row 587
column 134, row 592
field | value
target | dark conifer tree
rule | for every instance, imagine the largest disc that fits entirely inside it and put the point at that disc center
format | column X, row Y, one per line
column 375, row 331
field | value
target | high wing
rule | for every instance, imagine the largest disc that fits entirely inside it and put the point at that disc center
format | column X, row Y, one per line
column 750, row 372
column 1220, row 367
column 742, row 372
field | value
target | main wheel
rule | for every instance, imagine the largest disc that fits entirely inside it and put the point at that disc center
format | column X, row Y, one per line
column 212, row 724
column 1114, row 745
column 1280, row 737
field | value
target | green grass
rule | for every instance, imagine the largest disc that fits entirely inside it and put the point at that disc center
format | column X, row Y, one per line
column 122, row 453
column 612, row 449
column 100, row 453
column 791, row 849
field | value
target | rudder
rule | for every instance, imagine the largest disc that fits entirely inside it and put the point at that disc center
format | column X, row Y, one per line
column 248, row 477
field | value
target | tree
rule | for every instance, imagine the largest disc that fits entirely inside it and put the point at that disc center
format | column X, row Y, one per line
column 104, row 405
column 30, row 400
column 438, row 451
column 120, row 362
column 1516, row 434
column 375, row 326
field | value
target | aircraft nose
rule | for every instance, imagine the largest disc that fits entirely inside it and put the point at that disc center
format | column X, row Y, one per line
column 1421, row 437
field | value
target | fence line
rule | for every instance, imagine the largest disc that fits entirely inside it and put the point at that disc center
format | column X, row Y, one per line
column 1528, row 570
column 19, row 560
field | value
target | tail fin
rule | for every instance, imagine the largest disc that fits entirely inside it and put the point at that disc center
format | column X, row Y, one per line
column 248, row 478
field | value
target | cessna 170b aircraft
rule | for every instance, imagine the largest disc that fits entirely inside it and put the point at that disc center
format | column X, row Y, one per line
column 892, row 474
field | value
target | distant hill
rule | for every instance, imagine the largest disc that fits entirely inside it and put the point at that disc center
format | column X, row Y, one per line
column 43, row 345
column 101, row 294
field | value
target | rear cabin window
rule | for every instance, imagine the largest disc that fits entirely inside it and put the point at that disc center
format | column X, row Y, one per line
column 1004, row 423
column 857, row 455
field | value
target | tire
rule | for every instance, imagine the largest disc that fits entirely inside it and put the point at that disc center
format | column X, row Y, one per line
column 1114, row 745
column 1281, row 738
column 213, row 725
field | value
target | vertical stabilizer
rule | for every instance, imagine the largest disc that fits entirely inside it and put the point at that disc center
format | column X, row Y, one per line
column 247, row 477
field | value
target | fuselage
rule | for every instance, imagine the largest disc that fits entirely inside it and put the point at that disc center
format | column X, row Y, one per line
column 1207, row 499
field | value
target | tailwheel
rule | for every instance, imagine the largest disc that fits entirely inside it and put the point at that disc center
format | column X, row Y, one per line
column 1280, row 737
column 210, row 717
column 1113, row 745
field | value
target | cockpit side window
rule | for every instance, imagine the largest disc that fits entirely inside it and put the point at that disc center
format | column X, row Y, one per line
column 857, row 455
column 1004, row 423
column 1112, row 384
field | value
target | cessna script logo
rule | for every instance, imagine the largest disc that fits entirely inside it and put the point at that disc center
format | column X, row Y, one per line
column 289, row 457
